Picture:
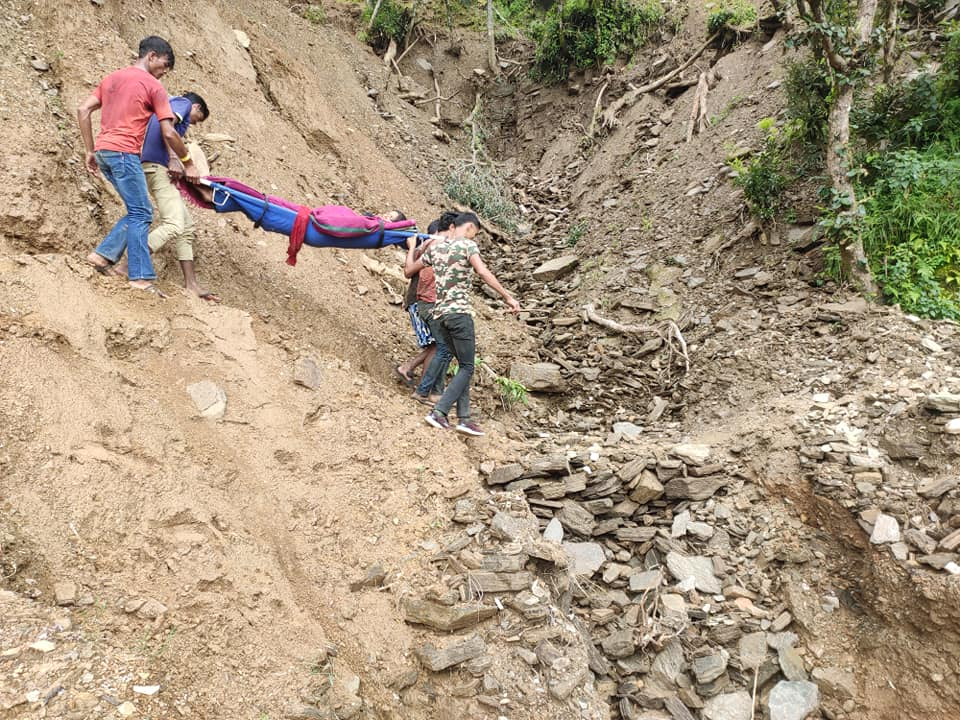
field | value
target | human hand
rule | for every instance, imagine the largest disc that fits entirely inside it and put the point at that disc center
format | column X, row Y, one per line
column 411, row 242
column 513, row 306
column 91, row 163
column 175, row 168
column 191, row 172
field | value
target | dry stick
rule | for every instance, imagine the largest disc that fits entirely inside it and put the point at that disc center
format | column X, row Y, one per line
column 610, row 115
column 596, row 111
column 373, row 15
column 753, row 703
column 409, row 48
column 390, row 54
column 672, row 327
column 436, row 107
column 424, row 101
column 699, row 110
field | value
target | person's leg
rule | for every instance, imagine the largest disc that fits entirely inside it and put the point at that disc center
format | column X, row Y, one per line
column 185, row 253
column 131, row 184
column 458, row 334
column 170, row 224
column 432, row 382
column 424, row 341
column 112, row 247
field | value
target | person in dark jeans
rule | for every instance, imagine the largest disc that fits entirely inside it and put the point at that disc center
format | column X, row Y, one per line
column 453, row 261
column 432, row 383
column 127, row 99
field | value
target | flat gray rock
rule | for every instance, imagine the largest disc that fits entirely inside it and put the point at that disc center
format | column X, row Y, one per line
column 885, row 530
column 553, row 532
column 307, row 373
column 690, row 453
column 539, row 377
column 627, row 429
column 585, row 557
column 209, row 399
column 556, row 268
column 793, row 700
column 729, row 706
column 696, row 566
column 645, row 581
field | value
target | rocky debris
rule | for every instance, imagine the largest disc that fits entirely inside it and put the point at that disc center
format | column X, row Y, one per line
column 374, row 577
column 793, row 700
column 65, row 592
column 209, row 399
column 445, row 618
column 539, row 377
column 835, row 682
column 556, row 268
column 659, row 564
column 585, row 558
column 307, row 373
column 729, row 706
column 876, row 457
column 454, row 653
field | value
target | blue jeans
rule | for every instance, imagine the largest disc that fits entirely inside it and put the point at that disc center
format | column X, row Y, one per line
column 436, row 372
column 124, row 172
column 457, row 333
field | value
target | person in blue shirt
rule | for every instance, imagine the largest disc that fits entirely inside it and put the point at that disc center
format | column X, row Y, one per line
column 161, row 168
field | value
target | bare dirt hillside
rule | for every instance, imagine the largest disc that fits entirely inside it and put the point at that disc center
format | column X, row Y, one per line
column 318, row 551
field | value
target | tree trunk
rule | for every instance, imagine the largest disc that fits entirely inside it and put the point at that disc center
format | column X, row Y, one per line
column 491, row 41
column 852, row 256
column 890, row 45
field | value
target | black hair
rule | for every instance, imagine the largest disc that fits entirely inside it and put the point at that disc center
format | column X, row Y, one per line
column 467, row 217
column 400, row 216
column 447, row 219
column 156, row 44
column 433, row 227
column 197, row 100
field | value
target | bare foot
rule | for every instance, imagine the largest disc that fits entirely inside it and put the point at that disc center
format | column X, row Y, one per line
column 100, row 263
column 120, row 268
column 204, row 294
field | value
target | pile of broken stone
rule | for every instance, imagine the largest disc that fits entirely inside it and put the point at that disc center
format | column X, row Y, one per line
column 634, row 577
column 886, row 459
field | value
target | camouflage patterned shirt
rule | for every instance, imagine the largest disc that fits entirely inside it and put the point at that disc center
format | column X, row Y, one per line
column 450, row 260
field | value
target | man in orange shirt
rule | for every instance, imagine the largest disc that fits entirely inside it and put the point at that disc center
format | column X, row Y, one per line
column 128, row 98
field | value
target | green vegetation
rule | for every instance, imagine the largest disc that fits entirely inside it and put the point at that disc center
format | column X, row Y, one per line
column 762, row 178
column 904, row 161
column 911, row 230
column 391, row 23
column 732, row 14
column 587, row 33
column 314, row 14
column 576, row 231
column 482, row 190
column 512, row 392
column 807, row 87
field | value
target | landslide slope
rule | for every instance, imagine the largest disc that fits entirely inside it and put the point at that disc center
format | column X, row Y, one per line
column 211, row 558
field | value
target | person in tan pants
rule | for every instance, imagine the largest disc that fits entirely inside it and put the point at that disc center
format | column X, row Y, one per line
column 161, row 168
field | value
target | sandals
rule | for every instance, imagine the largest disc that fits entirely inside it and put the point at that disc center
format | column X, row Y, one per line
column 152, row 289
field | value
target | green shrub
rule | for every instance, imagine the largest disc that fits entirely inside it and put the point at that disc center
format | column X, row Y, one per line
column 911, row 230
column 807, row 88
column 483, row 191
column 392, row 23
column 315, row 14
column 587, row 33
column 762, row 178
column 731, row 13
